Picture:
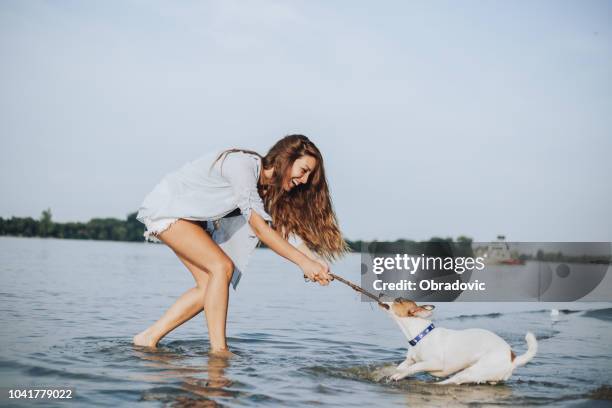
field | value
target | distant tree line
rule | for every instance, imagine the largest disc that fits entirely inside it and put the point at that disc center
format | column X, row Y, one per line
column 130, row 229
column 435, row 246
column 561, row 257
column 108, row 229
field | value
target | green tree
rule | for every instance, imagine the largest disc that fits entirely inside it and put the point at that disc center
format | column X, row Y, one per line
column 45, row 225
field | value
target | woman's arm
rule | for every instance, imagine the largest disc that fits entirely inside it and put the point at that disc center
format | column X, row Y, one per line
column 313, row 269
column 303, row 248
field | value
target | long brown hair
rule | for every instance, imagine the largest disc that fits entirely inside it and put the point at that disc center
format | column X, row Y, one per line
column 306, row 209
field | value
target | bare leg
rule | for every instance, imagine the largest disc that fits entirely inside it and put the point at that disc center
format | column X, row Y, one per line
column 187, row 306
column 212, row 269
column 215, row 305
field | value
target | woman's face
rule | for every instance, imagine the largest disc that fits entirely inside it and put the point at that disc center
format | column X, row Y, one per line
column 299, row 172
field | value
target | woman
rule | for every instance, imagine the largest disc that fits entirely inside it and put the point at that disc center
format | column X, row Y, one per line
column 238, row 192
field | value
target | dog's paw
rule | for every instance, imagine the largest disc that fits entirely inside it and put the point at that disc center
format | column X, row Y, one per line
column 397, row 376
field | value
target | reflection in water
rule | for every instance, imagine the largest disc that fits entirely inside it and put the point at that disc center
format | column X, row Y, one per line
column 429, row 394
column 200, row 383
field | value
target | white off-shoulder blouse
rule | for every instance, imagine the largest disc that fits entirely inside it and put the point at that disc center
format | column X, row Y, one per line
column 201, row 193
column 198, row 192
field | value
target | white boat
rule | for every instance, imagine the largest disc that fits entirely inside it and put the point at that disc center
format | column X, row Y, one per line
column 497, row 252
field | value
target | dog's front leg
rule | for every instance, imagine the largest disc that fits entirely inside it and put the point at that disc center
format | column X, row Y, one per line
column 417, row 368
column 405, row 364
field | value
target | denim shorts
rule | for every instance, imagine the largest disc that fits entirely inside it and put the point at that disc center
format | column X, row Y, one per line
column 233, row 234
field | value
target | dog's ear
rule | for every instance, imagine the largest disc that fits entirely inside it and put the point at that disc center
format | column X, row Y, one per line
column 401, row 309
column 423, row 311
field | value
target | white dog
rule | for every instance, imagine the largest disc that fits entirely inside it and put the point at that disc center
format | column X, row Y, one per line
column 472, row 355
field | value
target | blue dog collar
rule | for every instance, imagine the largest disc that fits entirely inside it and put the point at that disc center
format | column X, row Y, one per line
column 422, row 334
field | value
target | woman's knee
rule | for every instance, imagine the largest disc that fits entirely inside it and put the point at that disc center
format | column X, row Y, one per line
column 201, row 290
column 223, row 268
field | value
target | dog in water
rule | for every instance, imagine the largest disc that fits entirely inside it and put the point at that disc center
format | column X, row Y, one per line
column 470, row 355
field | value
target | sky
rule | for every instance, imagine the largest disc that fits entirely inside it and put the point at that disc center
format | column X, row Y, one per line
column 435, row 118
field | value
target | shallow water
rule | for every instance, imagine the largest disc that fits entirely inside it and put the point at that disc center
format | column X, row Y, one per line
column 69, row 309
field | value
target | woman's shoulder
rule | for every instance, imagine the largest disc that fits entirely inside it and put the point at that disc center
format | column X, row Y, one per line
column 238, row 160
column 223, row 162
column 240, row 154
column 222, row 155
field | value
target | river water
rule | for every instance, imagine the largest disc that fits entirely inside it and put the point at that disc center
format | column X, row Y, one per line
column 69, row 309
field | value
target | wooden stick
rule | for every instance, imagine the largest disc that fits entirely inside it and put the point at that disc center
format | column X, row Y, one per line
column 359, row 289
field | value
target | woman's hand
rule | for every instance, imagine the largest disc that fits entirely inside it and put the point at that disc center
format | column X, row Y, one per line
column 316, row 271
column 327, row 276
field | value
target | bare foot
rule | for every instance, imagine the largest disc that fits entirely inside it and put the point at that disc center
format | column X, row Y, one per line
column 222, row 353
column 144, row 339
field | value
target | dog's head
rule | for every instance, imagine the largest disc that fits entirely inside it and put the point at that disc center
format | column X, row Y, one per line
column 402, row 307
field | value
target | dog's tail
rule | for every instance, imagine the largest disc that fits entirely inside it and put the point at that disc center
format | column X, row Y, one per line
column 532, row 348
